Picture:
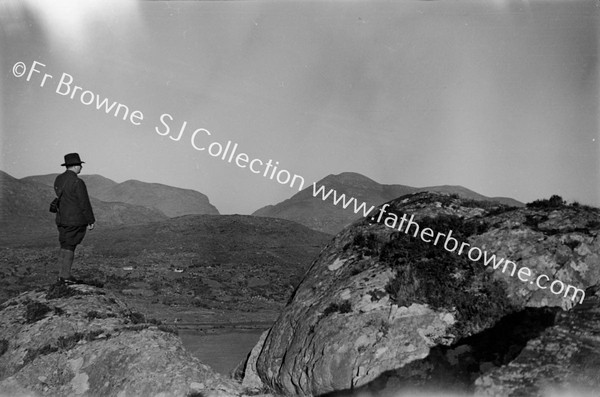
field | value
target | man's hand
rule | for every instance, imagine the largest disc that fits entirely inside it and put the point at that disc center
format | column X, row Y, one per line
column 91, row 226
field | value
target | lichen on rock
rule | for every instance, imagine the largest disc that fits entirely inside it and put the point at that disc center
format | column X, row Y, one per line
column 415, row 312
column 83, row 341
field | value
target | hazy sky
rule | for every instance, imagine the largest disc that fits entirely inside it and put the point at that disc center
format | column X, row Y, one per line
column 500, row 97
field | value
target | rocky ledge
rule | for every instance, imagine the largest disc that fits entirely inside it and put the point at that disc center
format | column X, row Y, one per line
column 81, row 340
column 382, row 311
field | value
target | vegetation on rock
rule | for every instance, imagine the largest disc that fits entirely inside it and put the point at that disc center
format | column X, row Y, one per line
column 420, row 314
column 428, row 274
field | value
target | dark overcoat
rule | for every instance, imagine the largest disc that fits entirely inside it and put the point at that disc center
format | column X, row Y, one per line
column 75, row 208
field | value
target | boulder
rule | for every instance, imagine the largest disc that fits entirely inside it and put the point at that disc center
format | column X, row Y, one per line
column 251, row 380
column 381, row 308
column 563, row 361
column 81, row 340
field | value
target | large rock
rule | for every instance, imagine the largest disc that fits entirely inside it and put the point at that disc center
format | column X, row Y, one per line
column 564, row 360
column 251, row 380
column 378, row 304
column 83, row 341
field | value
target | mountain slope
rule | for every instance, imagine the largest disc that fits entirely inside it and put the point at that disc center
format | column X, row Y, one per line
column 24, row 209
column 94, row 183
column 324, row 216
column 169, row 200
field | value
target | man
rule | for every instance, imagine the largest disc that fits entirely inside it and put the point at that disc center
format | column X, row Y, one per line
column 74, row 214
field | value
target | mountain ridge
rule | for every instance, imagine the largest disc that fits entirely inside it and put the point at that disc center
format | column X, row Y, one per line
column 24, row 210
column 322, row 215
column 169, row 200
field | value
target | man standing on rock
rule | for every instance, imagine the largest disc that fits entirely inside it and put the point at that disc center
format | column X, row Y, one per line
column 74, row 214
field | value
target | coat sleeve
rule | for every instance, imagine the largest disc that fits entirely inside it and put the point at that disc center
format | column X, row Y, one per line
column 84, row 202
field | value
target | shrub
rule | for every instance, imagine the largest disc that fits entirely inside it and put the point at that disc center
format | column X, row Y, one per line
column 344, row 307
column 60, row 290
column 428, row 274
column 534, row 219
column 136, row 317
column 35, row 311
column 366, row 241
column 555, row 201
column 593, row 224
column 92, row 314
column 501, row 209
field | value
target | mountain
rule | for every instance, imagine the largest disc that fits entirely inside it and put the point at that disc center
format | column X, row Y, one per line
column 385, row 310
column 171, row 201
column 324, row 216
column 94, row 183
column 24, row 209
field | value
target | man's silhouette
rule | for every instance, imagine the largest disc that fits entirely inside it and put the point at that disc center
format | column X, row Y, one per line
column 74, row 214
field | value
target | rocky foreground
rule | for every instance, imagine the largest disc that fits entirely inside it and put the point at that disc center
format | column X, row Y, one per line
column 382, row 312
column 378, row 313
column 83, row 341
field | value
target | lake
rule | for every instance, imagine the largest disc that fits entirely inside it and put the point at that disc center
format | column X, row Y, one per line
column 222, row 350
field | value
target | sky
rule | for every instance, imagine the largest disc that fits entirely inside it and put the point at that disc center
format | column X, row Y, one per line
column 500, row 97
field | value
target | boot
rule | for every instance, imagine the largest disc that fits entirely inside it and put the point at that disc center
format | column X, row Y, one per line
column 66, row 261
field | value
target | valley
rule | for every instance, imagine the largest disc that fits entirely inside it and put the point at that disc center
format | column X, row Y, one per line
column 191, row 269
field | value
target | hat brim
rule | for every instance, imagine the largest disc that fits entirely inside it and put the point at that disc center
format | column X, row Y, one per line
column 68, row 164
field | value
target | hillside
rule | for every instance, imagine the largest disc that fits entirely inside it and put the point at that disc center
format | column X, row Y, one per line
column 230, row 262
column 169, row 200
column 96, row 184
column 24, row 210
column 324, row 216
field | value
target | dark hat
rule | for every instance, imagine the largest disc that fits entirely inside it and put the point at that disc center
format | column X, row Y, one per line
column 72, row 159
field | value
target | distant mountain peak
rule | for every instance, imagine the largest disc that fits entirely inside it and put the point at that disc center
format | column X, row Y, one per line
column 324, row 216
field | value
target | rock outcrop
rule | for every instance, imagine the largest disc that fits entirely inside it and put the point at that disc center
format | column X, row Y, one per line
column 82, row 341
column 381, row 309
column 563, row 360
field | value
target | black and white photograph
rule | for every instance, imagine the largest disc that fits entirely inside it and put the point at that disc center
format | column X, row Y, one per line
column 237, row 198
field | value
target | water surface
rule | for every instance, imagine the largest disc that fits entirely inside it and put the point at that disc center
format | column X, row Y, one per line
column 222, row 351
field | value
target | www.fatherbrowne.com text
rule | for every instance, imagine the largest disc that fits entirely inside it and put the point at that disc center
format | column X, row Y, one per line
column 450, row 244
column 65, row 87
